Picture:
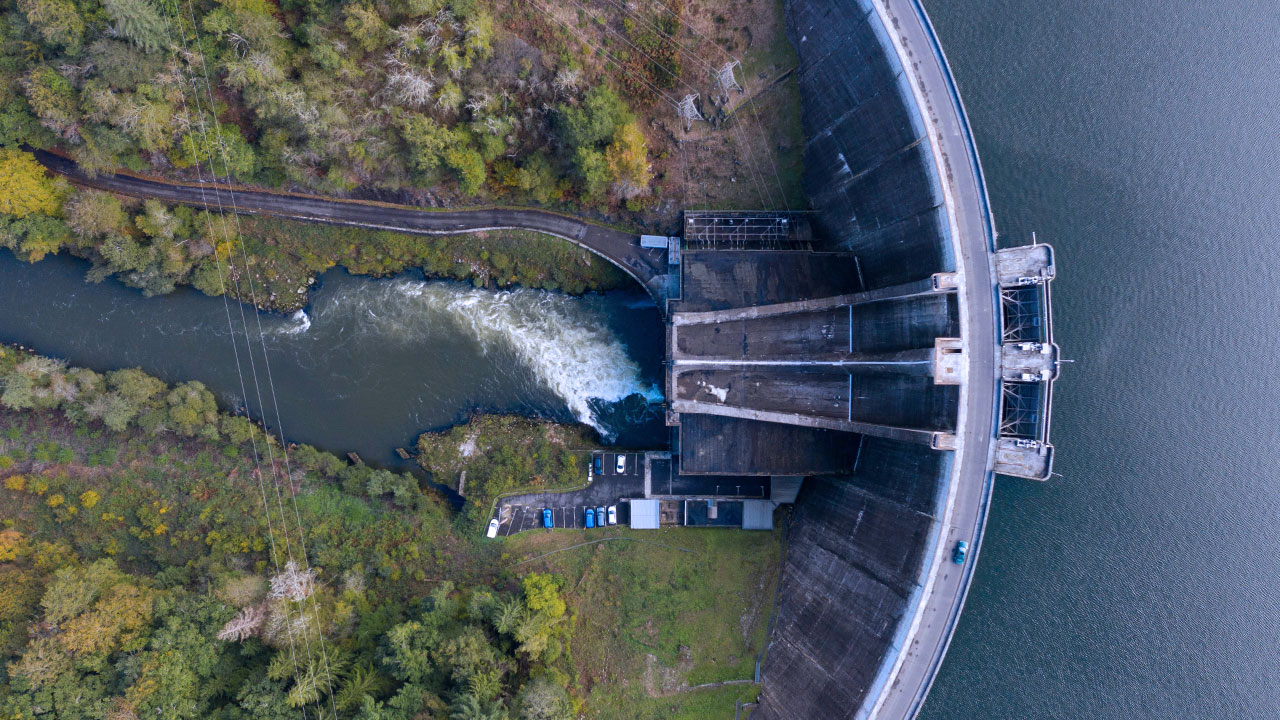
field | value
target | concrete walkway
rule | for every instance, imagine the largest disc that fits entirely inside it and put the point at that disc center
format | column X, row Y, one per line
column 618, row 247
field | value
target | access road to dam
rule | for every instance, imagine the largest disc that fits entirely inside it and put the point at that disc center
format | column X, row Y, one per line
column 917, row 662
column 616, row 246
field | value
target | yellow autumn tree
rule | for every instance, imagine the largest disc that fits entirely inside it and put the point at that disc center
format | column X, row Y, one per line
column 24, row 188
column 628, row 160
column 117, row 620
column 10, row 544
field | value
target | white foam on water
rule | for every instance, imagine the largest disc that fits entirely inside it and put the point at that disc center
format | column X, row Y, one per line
column 563, row 340
column 301, row 323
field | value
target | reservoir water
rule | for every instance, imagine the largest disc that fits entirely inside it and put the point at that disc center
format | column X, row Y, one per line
column 371, row 363
column 1140, row 138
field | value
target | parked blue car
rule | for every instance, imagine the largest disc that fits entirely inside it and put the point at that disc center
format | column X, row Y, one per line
column 546, row 518
column 598, row 464
column 591, row 518
column 962, row 550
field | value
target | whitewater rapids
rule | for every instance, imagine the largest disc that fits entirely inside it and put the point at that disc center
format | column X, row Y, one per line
column 564, row 341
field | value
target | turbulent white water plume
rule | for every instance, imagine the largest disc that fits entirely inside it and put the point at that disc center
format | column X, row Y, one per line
column 301, row 322
column 565, row 341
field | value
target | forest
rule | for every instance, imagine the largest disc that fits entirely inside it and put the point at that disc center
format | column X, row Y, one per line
column 442, row 98
column 154, row 563
column 161, row 558
column 264, row 260
column 427, row 102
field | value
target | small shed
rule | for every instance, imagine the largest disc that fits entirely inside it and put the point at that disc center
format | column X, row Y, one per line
column 757, row 515
column 644, row 514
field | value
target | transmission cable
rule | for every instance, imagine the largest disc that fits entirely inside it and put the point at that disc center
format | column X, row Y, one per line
column 750, row 98
column 267, row 365
column 607, row 54
column 756, row 177
column 227, row 310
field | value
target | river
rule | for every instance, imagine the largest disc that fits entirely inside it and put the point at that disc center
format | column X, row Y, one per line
column 370, row 363
column 1140, row 138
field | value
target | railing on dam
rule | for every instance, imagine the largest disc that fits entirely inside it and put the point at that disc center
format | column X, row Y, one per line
column 1029, row 360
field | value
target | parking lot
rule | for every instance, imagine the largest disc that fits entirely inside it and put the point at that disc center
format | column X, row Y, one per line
column 609, row 465
column 519, row 518
column 519, row 513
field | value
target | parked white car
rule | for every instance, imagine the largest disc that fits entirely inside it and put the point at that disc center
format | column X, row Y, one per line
column 493, row 528
column 613, row 514
column 621, row 466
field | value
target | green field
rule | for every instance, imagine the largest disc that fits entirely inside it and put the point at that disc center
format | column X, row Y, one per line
column 659, row 612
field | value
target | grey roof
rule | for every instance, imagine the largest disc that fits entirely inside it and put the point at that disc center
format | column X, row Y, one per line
column 644, row 514
column 757, row 515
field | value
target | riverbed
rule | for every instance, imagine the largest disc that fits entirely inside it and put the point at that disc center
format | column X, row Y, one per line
column 370, row 363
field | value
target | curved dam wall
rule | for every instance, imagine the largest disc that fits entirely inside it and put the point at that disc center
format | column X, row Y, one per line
column 869, row 172
column 854, row 554
column 863, row 545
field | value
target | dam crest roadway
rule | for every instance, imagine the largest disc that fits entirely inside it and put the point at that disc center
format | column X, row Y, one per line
column 880, row 347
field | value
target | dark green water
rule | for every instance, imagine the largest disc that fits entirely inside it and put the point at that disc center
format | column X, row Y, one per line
column 370, row 363
column 1141, row 139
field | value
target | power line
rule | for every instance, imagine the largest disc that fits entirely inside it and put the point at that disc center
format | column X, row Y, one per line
column 611, row 59
column 756, row 177
column 230, row 326
column 750, row 98
column 606, row 53
column 270, row 380
column 684, row 173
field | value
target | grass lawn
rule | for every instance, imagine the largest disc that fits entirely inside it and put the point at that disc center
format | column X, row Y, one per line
column 660, row 612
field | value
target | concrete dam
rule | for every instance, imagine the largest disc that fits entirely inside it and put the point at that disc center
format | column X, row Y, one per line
column 878, row 353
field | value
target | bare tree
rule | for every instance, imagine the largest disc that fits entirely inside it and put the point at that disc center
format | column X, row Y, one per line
column 410, row 88
column 245, row 625
column 293, row 583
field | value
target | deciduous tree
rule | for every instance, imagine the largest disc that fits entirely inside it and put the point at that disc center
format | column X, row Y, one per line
column 58, row 22
column 94, row 214
column 53, row 99
column 594, row 120
column 469, row 165
column 367, row 28
column 24, row 187
column 628, row 161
